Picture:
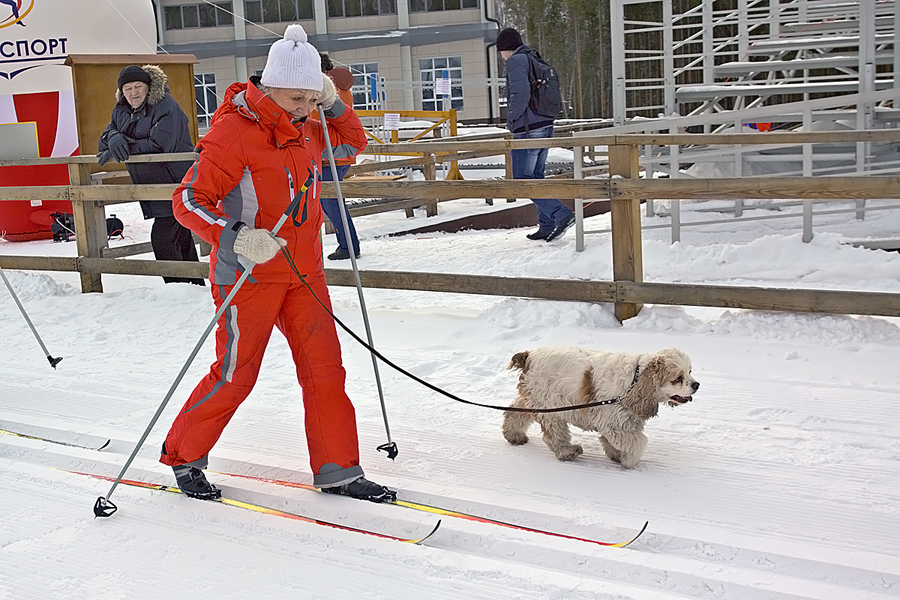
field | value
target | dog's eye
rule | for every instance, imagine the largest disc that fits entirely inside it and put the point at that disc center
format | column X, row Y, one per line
column 678, row 380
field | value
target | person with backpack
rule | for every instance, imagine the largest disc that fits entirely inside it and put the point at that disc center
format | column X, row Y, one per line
column 532, row 104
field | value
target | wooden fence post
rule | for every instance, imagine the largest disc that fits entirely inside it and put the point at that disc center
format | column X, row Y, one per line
column 626, row 226
column 90, row 226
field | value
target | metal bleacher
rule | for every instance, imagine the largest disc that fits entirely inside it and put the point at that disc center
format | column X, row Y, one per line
column 756, row 65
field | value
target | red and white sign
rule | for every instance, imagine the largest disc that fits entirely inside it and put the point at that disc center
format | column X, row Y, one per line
column 36, row 87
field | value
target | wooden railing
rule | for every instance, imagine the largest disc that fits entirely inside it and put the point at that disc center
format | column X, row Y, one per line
column 623, row 188
column 439, row 116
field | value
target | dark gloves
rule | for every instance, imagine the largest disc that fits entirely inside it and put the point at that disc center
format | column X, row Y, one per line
column 118, row 146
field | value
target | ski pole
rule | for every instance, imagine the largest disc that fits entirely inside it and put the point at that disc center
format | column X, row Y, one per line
column 103, row 507
column 390, row 447
column 53, row 361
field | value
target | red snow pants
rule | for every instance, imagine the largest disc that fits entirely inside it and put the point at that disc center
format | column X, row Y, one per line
column 242, row 334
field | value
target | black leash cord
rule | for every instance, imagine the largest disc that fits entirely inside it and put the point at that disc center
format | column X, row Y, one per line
column 434, row 388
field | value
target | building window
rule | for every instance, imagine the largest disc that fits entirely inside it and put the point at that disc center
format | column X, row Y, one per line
column 360, row 8
column 431, row 69
column 189, row 16
column 205, row 91
column 433, row 5
column 173, row 17
column 278, row 11
column 363, row 77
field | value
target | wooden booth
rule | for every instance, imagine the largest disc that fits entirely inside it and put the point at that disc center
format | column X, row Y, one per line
column 94, row 80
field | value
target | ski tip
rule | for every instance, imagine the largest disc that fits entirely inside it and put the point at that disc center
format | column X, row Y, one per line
column 639, row 534
column 644, row 527
column 105, row 444
column 430, row 533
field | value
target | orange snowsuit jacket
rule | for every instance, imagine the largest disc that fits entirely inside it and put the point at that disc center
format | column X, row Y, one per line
column 259, row 160
column 347, row 98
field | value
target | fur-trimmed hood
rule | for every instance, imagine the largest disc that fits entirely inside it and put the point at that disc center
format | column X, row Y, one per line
column 158, row 85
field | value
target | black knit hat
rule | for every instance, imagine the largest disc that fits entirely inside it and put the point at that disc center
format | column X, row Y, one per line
column 508, row 39
column 327, row 63
column 133, row 73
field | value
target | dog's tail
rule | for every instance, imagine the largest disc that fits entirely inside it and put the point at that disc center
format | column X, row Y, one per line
column 518, row 361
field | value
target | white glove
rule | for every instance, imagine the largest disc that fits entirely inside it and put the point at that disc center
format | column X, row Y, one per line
column 258, row 245
column 328, row 95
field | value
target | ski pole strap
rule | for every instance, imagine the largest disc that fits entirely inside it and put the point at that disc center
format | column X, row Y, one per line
column 293, row 208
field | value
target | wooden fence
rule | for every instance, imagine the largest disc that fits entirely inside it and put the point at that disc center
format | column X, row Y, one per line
column 623, row 188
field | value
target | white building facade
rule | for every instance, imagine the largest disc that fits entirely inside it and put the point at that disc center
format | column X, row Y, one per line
column 402, row 45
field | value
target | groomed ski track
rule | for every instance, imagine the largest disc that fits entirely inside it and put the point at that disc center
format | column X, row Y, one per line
column 763, row 488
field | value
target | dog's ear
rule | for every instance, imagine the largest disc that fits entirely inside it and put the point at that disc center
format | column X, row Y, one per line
column 641, row 399
column 518, row 361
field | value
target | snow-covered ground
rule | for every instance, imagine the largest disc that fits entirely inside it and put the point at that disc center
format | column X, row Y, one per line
column 779, row 481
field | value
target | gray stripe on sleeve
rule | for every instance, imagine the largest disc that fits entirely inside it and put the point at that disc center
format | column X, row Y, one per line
column 336, row 110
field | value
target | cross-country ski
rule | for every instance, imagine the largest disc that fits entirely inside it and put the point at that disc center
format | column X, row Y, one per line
column 266, row 510
column 454, row 513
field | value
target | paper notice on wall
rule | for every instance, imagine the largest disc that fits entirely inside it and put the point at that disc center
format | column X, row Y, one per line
column 442, row 87
column 392, row 121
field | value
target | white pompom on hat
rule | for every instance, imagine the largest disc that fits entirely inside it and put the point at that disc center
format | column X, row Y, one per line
column 293, row 63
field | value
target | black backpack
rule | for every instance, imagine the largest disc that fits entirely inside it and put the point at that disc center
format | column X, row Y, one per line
column 546, row 99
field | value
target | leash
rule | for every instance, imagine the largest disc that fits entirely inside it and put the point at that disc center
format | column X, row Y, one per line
column 434, row 388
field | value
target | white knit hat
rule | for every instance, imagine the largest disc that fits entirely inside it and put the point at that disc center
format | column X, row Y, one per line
column 293, row 63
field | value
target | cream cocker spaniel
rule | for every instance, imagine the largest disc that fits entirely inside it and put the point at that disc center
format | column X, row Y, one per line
column 557, row 377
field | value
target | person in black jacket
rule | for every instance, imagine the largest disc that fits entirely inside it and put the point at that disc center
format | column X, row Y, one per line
column 554, row 217
column 147, row 120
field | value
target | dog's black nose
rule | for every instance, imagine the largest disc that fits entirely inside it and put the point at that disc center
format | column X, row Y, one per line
column 695, row 386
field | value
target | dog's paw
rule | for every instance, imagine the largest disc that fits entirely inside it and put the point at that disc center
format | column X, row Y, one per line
column 629, row 462
column 612, row 452
column 569, row 452
column 516, row 439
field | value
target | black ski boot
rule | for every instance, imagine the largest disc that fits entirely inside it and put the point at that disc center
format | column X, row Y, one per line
column 193, row 483
column 363, row 489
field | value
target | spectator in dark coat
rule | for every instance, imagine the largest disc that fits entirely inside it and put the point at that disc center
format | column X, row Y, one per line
column 554, row 217
column 147, row 120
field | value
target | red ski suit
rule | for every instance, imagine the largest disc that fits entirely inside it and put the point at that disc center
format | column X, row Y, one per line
column 250, row 165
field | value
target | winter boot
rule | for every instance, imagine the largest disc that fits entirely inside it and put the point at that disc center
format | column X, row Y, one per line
column 540, row 234
column 364, row 489
column 193, row 483
column 561, row 227
column 341, row 254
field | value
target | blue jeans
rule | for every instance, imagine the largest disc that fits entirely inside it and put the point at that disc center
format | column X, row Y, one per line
column 332, row 209
column 529, row 164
